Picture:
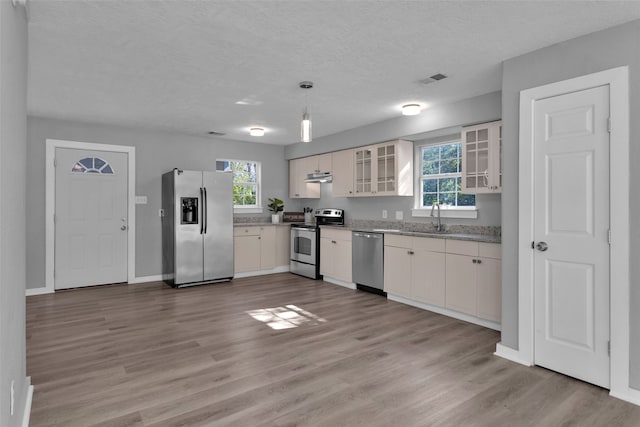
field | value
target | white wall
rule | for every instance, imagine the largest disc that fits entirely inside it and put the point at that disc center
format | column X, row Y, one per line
column 13, row 112
column 156, row 153
column 599, row 51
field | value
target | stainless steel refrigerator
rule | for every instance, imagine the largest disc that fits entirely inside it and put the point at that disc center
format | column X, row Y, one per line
column 197, row 227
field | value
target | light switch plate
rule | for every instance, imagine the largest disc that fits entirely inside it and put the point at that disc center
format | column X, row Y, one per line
column 384, row 213
column 399, row 215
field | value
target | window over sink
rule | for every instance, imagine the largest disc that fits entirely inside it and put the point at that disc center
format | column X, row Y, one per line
column 439, row 180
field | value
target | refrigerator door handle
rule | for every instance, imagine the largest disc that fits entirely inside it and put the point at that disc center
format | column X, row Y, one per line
column 205, row 220
column 201, row 210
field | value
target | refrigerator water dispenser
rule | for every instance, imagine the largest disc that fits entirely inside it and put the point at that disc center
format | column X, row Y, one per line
column 189, row 210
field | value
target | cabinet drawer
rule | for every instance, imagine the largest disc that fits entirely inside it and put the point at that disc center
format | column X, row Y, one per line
column 398, row 241
column 429, row 244
column 462, row 247
column 332, row 233
column 246, row 231
column 490, row 250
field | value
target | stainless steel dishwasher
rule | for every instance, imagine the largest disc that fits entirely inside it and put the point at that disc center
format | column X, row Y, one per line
column 368, row 261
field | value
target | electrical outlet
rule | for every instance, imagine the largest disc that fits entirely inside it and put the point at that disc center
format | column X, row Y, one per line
column 399, row 215
column 384, row 213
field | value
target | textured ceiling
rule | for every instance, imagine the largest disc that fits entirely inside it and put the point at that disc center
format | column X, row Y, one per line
column 195, row 66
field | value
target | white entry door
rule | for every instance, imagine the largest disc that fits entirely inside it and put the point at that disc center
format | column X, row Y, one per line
column 571, row 228
column 91, row 223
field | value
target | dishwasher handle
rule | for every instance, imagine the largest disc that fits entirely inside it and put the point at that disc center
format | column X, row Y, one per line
column 368, row 235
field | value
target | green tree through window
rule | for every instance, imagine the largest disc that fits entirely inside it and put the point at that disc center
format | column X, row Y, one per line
column 441, row 178
column 246, row 182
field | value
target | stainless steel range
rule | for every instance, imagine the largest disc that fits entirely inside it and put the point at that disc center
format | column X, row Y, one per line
column 305, row 242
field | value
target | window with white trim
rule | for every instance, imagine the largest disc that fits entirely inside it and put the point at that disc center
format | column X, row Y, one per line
column 440, row 177
column 246, row 181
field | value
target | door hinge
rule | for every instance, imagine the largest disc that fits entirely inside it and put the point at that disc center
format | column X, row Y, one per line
column 609, row 348
column 609, row 236
column 609, row 124
column 55, row 162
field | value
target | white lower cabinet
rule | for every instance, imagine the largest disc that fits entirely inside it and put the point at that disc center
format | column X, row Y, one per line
column 473, row 281
column 335, row 254
column 414, row 267
column 455, row 275
column 258, row 248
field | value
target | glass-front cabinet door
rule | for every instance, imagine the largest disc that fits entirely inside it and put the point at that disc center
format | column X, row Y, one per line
column 482, row 158
column 364, row 172
column 386, row 161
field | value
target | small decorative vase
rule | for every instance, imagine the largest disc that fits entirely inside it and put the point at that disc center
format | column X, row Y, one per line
column 275, row 218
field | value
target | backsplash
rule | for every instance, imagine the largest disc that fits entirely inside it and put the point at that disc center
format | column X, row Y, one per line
column 425, row 227
column 251, row 219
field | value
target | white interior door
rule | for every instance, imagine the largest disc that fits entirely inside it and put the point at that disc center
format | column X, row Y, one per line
column 571, row 228
column 91, row 223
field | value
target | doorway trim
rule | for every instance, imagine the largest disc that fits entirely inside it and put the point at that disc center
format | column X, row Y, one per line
column 618, row 81
column 50, row 203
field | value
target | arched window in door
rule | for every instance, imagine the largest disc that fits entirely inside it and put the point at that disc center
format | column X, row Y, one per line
column 92, row 165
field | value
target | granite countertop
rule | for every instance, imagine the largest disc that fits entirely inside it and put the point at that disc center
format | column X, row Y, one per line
column 260, row 224
column 474, row 237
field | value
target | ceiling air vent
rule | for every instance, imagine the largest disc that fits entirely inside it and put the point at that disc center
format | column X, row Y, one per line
column 433, row 78
column 214, row 133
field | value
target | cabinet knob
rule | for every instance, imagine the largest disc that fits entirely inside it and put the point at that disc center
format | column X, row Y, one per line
column 475, row 261
column 259, row 237
column 333, row 241
column 479, row 261
column 410, row 252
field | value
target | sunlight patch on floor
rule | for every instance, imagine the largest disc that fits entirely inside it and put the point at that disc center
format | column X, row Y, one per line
column 287, row 317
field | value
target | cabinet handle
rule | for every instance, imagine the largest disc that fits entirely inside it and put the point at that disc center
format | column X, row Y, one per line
column 333, row 241
column 259, row 237
column 410, row 252
column 479, row 261
column 475, row 261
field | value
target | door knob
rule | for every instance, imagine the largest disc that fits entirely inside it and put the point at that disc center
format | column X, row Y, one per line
column 124, row 227
column 542, row 246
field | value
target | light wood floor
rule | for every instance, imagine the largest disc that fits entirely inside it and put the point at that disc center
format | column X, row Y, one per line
column 150, row 355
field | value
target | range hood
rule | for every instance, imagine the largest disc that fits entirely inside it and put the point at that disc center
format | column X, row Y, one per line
column 319, row 177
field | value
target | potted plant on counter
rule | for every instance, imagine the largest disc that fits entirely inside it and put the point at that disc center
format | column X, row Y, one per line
column 275, row 206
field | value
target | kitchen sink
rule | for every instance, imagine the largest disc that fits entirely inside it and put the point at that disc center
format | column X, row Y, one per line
column 385, row 230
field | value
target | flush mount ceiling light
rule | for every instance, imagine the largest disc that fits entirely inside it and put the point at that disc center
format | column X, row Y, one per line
column 411, row 109
column 305, row 126
column 256, row 132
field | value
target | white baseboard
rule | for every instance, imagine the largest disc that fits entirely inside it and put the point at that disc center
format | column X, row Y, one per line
column 441, row 310
column 280, row 269
column 155, row 278
column 339, row 282
column 26, row 416
column 510, row 354
column 629, row 395
column 37, row 291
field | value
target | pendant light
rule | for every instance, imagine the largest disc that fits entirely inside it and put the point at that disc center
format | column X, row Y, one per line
column 305, row 126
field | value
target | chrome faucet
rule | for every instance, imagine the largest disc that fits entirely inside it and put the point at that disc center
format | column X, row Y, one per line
column 439, row 226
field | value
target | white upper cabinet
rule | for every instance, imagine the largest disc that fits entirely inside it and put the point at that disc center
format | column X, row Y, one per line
column 482, row 158
column 384, row 169
column 343, row 165
column 298, row 171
